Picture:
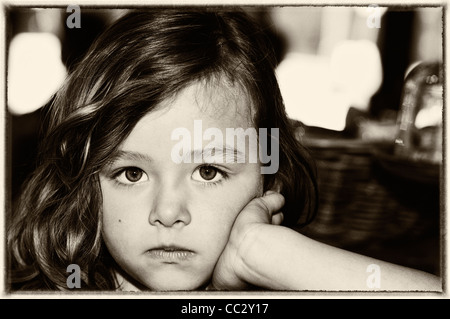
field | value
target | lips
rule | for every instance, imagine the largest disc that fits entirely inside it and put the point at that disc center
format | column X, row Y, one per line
column 170, row 254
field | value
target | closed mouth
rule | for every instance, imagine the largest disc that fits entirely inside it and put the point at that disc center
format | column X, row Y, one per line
column 170, row 254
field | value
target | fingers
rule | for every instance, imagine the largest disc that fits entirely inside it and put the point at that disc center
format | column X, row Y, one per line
column 273, row 201
column 277, row 218
column 265, row 209
column 276, row 215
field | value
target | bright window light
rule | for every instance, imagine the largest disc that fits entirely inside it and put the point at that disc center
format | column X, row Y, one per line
column 35, row 71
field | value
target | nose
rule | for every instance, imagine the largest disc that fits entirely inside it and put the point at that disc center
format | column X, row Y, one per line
column 169, row 208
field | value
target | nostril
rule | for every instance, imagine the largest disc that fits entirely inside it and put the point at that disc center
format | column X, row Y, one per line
column 177, row 223
column 169, row 209
column 169, row 220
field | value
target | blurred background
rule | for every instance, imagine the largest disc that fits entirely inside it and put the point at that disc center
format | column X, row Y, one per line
column 363, row 85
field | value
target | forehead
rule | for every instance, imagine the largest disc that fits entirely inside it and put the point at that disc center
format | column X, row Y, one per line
column 220, row 98
column 215, row 101
column 219, row 106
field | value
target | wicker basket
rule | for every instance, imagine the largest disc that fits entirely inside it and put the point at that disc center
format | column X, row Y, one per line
column 361, row 201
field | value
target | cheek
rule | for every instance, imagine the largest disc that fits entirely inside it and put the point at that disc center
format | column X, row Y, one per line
column 215, row 226
column 221, row 209
column 121, row 218
column 114, row 208
column 121, row 205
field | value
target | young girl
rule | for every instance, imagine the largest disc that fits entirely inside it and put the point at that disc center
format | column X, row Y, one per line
column 108, row 195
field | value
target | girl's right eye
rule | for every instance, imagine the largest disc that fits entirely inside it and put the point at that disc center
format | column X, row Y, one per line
column 130, row 176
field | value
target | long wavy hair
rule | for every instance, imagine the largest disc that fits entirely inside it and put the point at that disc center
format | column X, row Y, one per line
column 138, row 62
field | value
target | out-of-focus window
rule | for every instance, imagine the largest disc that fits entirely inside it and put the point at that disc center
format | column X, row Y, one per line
column 338, row 58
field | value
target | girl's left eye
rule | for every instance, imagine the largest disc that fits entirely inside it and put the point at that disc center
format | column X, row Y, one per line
column 208, row 174
column 131, row 175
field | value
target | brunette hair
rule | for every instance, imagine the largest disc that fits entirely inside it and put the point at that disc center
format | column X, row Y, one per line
column 138, row 62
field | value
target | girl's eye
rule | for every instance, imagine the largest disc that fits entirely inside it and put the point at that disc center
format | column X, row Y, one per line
column 131, row 175
column 208, row 174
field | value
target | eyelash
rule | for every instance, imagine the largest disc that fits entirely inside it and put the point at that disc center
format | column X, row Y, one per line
column 220, row 171
column 116, row 174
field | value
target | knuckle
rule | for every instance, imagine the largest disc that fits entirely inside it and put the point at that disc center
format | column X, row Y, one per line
column 262, row 204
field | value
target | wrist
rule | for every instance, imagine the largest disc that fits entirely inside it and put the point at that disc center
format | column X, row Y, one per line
column 257, row 263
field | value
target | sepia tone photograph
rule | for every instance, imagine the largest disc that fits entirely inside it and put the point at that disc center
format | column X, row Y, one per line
column 234, row 149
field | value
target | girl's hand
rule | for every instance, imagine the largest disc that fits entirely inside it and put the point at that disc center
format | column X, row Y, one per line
column 231, row 271
column 272, row 257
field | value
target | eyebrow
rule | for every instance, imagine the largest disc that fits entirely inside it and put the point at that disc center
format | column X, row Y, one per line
column 129, row 155
column 232, row 155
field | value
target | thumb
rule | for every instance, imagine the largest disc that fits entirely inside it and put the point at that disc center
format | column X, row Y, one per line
column 277, row 218
column 268, row 205
column 273, row 202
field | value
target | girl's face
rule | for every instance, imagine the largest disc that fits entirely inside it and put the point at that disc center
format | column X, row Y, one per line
column 167, row 223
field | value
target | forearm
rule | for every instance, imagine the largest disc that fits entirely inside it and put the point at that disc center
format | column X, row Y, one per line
column 282, row 259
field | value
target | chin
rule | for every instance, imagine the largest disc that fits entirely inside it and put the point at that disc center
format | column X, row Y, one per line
column 177, row 285
column 173, row 281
